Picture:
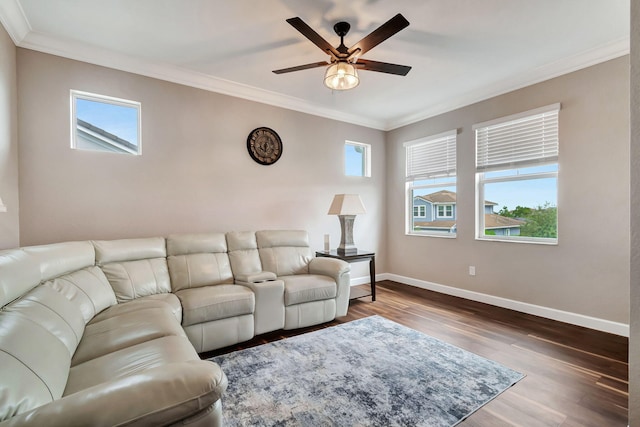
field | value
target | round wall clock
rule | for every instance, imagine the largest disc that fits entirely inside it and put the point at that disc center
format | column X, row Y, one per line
column 264, row 145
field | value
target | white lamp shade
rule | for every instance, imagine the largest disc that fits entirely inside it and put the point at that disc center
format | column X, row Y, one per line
column 341, row 76
column 346, row 204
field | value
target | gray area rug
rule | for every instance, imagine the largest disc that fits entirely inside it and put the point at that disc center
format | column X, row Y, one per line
column 369, row 372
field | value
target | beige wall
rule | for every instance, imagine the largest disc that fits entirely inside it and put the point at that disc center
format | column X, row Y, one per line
column 588, row 271
column 634, row 333
column 195, row 173
column 9, row 221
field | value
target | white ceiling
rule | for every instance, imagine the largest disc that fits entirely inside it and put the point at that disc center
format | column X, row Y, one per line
column 461, row 51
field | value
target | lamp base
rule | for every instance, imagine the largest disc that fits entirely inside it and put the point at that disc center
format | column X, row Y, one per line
column 346, row 239
column 348, row 251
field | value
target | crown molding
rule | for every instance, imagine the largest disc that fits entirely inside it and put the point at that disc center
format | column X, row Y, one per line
column 107, row 58
column 603, row 53
column 14, row 20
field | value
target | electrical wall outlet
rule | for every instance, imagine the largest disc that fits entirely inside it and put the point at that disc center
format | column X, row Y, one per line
column 472, row 270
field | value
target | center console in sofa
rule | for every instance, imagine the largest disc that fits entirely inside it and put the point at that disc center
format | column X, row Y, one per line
column 107, row 333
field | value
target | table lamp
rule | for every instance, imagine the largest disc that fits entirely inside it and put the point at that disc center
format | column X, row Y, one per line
column 346, row 206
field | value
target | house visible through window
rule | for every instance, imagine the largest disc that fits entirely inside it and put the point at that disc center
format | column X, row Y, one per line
column 431, row 185
column 102, row 123
column 517, row 177
column 357, row 159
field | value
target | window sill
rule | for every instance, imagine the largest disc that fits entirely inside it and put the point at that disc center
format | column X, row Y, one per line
column 534, row 242
column 439, row 236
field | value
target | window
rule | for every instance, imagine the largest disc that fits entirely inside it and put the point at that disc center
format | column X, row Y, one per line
column 445, row 211
column 517, row 177
column 102, row 123
column 357, row 159
column 431, row 185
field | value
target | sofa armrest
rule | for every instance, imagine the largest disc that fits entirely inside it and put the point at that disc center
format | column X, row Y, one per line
column 159, row 396
column 269, row 311
column 340, row 272
column 257, row 277
column 331, row 267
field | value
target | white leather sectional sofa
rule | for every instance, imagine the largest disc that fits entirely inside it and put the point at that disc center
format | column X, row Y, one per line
column 106, row 333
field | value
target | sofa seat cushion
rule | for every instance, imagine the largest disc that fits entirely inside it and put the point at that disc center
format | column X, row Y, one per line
column 126, row 330
column 303, row 288
column 205, row 304
column 129, row 361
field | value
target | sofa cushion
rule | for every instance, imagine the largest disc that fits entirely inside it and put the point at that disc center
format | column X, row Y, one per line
column 57, row 259
column 19, row 272
column 134, row 279
column 284, row 252
column 197, row 260
column 308, row 287
column 134, row 267
column 125, row 330
column 201, row 305
column 243, row 253
column 88, row 289
column 108, row 251
column 34, row 363
column 51, row 310
column 131, row 360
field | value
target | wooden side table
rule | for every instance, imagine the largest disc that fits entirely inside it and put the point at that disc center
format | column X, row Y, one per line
column 360, row 255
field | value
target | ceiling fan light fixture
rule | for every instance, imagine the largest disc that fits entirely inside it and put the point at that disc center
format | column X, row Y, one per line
column 341, row 75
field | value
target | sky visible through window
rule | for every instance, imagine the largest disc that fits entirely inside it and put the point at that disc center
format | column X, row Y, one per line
column 526, row 193
column 118, row 120
column 354, row 160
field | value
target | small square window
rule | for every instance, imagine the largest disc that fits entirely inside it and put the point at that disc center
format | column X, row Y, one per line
column 102, row 123
column 357, row 159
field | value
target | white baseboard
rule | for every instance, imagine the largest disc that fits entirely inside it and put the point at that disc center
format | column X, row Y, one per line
column 523, row 307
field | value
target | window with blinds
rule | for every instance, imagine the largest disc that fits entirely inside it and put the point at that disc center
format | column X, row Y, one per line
column 432, row 157
column 517, row 177
column 431, row 185
column 518, row 140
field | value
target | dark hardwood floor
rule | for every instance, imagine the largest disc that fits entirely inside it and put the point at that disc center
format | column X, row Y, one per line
column 575, row 377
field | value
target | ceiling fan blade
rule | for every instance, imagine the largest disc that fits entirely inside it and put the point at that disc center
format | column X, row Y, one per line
column 379, row 35
column 382, row 67
column 315, row 38
column 302, row 67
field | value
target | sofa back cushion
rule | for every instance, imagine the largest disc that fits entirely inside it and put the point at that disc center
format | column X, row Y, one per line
column 284, row 252
column 61, row 258
column 54, row 312
column 134, row 267
column 88, row 289
column 19, row 272
column 243, row 253
column 34, row 360
column 197, row 260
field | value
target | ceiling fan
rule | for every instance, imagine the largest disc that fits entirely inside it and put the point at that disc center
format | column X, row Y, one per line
column 342, row 68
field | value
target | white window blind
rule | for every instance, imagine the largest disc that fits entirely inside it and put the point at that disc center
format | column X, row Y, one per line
column 522, row 139
column 432, row 157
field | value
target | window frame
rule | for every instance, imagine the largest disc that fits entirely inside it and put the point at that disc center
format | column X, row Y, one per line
column 93, row 97
column 366, row 158
column 482, row 180
column 422, row 208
